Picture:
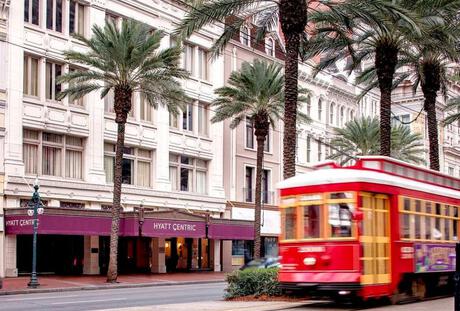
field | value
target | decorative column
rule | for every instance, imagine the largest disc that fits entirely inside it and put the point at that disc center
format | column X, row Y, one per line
column 216, row 255
column 94, row 152
column 162, row 182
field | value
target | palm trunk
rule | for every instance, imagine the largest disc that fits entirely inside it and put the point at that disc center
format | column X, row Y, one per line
column 430, row 88
column 258, row 203
column 293, row 19
column 290, row 108
column 122, row 108
column 385, row 62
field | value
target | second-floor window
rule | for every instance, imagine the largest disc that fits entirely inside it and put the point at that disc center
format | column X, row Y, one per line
column 30, row 80
column 78, row 101
column 250, row 185
column 195, row 60
column 308, row 149
column 245, row 36
column 308, row 105
column 202, row 119
column 52, row 154
column 76, row 18
column 187, row 117
column 320, row 109
column 331, row 114
column 270, row 46
column 147, row 110
column 249, row 133
column 202, row 64
column 53, row 71
column 194, row 118
column 136, row 165
column 32, row 11
column 320, row 151
column 54, row 15
column 188, row 174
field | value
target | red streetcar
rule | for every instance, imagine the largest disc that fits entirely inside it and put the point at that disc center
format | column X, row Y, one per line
column 378, row 228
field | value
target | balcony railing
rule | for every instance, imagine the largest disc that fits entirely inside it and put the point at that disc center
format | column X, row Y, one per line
column 249, row 195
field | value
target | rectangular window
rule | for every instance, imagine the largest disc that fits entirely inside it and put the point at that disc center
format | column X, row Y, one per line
column 311, row 215
column 202, row 64
column 53, row 154
column 173, row 120
column 30, row 78
column 249, row 193
column 54, row 15
column 249, row 133
column 109, row 102
column 290, row 222
column 188, row 174
column 320, row 153
column 136, row 165
column 78, row 101
column 32, row 11
column 76, row 18
column 203, row 119
column 187, row 118
column 53, row 71
column 266, row 186
column 188, row 58
column 320, row 109
column 147, row 110
column 75, row 205
column 308, row 149
column 267, row 142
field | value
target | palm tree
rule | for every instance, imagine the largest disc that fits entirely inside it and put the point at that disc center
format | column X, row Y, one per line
column 361, row 136
column 125, row 61
column 292, row 16
column 255, row 92
column 426, row 64
column 366, row 30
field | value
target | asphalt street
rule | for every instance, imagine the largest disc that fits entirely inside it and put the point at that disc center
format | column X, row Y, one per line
column 181, row 297
column 113, row 298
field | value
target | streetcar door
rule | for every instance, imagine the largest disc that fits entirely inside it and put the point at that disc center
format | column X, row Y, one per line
column 375, row 239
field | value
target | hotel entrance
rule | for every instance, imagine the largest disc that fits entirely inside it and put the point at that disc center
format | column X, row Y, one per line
column 186, row 254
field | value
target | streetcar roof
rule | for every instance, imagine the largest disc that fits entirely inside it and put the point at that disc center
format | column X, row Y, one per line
column 326, row 176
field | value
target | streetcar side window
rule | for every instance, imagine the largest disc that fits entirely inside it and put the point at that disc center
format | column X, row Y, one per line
column 428, row 221
column 311, row 221
column 340, row 220
column 290, row 223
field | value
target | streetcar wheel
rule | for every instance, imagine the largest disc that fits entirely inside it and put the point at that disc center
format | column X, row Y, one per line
column 418, row 289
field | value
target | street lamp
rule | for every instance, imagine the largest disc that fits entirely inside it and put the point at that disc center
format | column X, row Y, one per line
column 35, row 208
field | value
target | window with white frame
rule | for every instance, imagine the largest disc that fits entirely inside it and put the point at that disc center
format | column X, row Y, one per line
column 320, row 109
column 308, row 105
column 308, row 149
column 203, row 64
column 78, row 101
column 147, row 110
column 267, row 142
column 112, row 18
column 188, row 58
column 450, row 170
column 250, row 185
column 342, row 115
column 352, row 114
column 32, row 11
column 136, row 165
column 54, row 15
column 188, row 174
column 76, row 18
column 53, row 154
column 249, row 133
column 52, row 73
column 173, row 120
column 30, row 78
column 331, row 113
column 270, row 46
column 320, row 151
column 203, row 119
column 245, row 35
column 187, row 117
column 109, row 103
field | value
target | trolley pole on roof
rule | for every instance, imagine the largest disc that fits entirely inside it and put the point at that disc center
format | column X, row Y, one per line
column 457, row 277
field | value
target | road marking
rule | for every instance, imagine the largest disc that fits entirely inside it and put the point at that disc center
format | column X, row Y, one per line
column 87, row 301
column 36, row 298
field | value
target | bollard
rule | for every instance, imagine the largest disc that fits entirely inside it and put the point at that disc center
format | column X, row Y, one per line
column 457, row 277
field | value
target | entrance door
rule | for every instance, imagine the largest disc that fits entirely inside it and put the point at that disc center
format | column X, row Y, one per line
column 375, row 239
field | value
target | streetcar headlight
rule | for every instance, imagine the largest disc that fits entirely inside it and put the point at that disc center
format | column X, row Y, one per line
column 309, row 261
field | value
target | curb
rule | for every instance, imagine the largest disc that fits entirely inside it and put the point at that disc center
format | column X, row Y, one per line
column 99, row 287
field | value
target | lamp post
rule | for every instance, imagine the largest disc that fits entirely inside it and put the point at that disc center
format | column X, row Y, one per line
column 36, row 208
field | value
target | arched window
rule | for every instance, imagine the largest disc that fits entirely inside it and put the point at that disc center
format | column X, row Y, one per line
column 245, row 35
column 352, row 114
column 331, row 114
column 270, row 46
column 320, row 109
column 342, row 112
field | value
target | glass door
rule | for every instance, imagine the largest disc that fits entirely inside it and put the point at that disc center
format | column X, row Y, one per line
column 375, row 239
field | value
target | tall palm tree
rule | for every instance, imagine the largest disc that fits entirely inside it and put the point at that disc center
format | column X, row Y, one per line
column 361, row 136
column 366, row 30
column 426, row 63
column 125, row 61
column 255, row 92
column 292, row 16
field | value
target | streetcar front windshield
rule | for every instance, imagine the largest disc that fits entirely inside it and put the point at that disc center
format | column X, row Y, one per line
column 318, row 216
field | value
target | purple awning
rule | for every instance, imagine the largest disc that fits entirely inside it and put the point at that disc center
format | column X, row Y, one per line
column 226, row 231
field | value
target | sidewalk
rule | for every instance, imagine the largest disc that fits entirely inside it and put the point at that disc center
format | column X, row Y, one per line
column 52, row 283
